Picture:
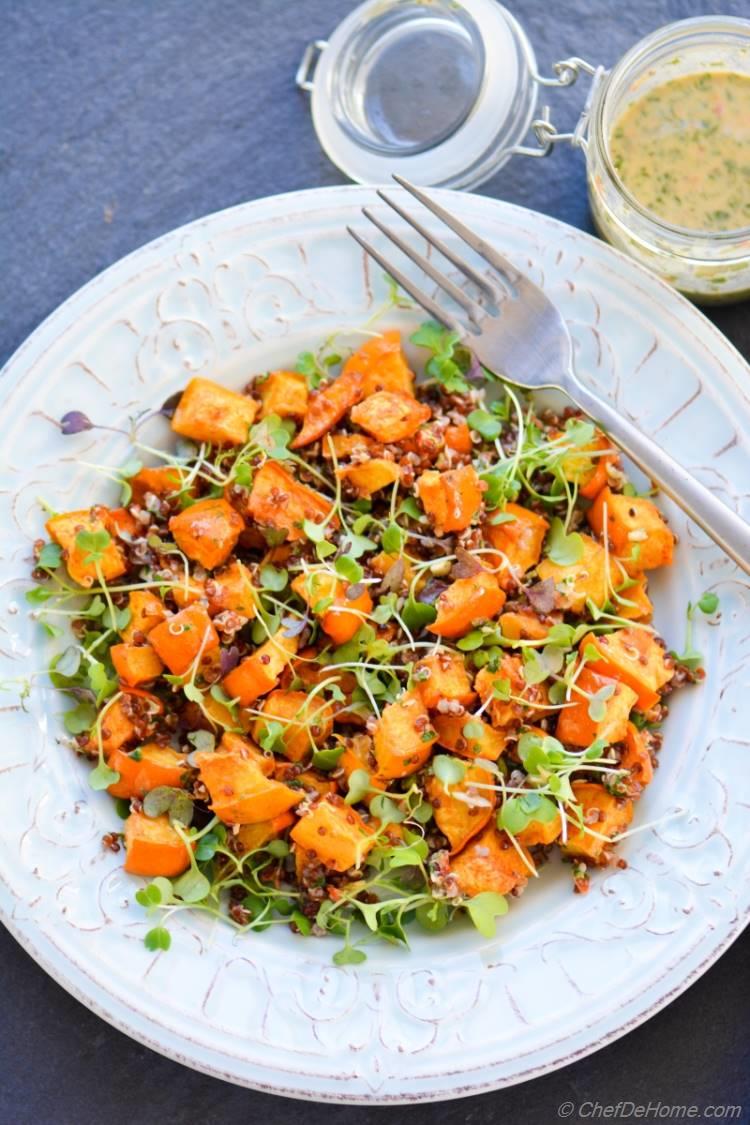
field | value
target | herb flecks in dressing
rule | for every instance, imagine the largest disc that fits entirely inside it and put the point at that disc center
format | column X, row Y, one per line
column 683, row 151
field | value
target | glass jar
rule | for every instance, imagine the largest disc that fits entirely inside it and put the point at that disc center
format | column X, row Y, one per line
column 443, row 92
column 707, row 266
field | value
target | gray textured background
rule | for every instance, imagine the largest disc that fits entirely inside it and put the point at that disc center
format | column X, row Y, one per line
column 118, row 121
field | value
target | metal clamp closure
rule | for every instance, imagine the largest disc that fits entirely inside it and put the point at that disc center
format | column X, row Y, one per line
column 547, row 136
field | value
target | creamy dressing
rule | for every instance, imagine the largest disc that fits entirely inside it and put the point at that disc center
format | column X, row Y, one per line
column 683, row 151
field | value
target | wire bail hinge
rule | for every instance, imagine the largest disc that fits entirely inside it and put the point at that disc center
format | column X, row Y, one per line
column 547, row 136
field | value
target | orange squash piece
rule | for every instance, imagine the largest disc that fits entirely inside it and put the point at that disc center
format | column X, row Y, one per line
column 577, row 728
column 508, row 712
column 146, row 611
column 359, row 755
column 519, row 540
column 180, row 638
column 443, row 675
column 283, row 393
column 164, row 481
column 208, row 412
column 307, row 722
column 466, row 602
column 232, row 589
column 345, row 446
column 239, row 789
column 540, row 832
column 121, row 524
column 328, row 405
column 207, row 531
column 489, row 862
column 489, row 745
column 153, row 848
column 602, row 813
column 634, row 603
column 458, row 438
column 582, row 580
column 185, row 594
column 253, row 836
column 390, row 416
column 589, row 473
column 155, row 765
column 278, row 500
column 334, row 834
column 371, row 476
column 634, row 657
column 341, row 616
column 382, row 365
column 258, row 673
column 404, row 737
column 233, row 743
column 64, row 529
column 451, row 499
column 633, row 522
column 136, row 664
column 462, row 811
column 520, row 625
column 637, row 759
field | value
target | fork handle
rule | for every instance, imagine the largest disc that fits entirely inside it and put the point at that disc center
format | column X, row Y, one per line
column 724, row 526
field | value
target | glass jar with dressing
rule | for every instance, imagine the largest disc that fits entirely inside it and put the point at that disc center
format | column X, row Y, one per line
column 665, row 133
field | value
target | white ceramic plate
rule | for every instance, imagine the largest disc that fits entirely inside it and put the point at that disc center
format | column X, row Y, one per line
column 241, row 292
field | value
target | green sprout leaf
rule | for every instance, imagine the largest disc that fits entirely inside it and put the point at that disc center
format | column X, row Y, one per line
column 349, row 956
column 102, row 776
column 709, row 603
column 327, row 759
column 157, row 939
column 193, row 886
column 94, row 543
column 273, row 578
column 50, row 556
column 449, row 770
column 484, row 909
column 393, row 539
column 486, row 424
column 563, row 549
column 359, row 786
column 348, row 569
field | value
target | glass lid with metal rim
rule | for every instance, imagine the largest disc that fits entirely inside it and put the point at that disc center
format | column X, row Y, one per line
column 440, row 91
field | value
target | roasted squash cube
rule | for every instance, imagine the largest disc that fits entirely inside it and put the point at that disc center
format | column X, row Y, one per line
column 136, row 664
column 207, row 531
column 465, row 603
column 371, row 476
column 307, row 722
column 451, row 499
column 146, row 768
column 146, row 611
column 382, row 365
column 634, row 657
column 576, row 727
column 278, row 500
column 240, row 791
column 253, row 836
column 482, row 740
column 208, row 412
column 636, row 529
column 404, row 737
column 180, row 639
column 636, row 758
column 328, row 597
column 257, row 674
column 602, row 814
column 334, row 834
column 519, row 541
column 65, row 529
column 283, row 393
column 328, row 405
column 153, row 847
column 390, row 416
column 443, row 675
column 164, row 481
column 581, row 581
column 490, row 862
column 232, row 589
column 463, row 810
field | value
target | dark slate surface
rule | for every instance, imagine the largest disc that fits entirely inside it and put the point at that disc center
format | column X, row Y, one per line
column 119, row 121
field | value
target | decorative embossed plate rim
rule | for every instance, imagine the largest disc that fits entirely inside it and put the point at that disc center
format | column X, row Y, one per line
column 240, row 291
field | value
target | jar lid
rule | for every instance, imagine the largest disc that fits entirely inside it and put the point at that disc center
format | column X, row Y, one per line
column 438, row 91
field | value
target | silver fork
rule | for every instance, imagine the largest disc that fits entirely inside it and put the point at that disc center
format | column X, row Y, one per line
column 527, row 343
